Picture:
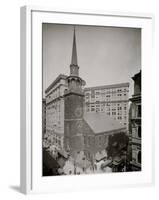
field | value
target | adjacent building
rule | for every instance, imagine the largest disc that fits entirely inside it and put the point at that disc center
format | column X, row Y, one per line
column 110, row 99
column 43, row 117
column 135, row 123
column 55, row 111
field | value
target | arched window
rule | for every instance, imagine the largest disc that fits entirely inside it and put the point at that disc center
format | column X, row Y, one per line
column 139, row 111
column 139, row 157
column 139, row 131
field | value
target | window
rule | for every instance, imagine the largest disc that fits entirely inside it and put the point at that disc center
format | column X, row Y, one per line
column 139, row 111
column 85, row 140
column 89, row 141
column 100, row 140
column 133, row 112
column 92, row 95
column 139, row 157
column 92, row 108
column 139, row 131
column 97, row 110
column 97, row 93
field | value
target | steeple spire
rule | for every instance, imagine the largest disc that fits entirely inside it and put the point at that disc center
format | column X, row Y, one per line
column 74, row 68
column 74, row 50
column 75, row 83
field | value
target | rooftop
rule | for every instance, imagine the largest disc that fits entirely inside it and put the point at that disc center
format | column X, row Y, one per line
column 101, row 122
column 60, row 76
column 108, row 86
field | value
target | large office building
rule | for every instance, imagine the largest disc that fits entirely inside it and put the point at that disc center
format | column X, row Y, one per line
column 135, row 123
column 55, row 111
column 110, row 99
column 44, row 117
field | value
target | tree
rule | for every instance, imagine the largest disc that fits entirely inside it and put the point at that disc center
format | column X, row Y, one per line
column 117, row 145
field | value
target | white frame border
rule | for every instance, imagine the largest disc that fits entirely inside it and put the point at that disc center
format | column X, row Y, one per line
column 26, row 95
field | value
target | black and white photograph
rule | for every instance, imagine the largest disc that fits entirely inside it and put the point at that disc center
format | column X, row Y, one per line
column 91, row 99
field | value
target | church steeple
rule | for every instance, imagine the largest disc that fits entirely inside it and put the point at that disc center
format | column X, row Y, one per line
column 74, row 50
column 75, row 83
column 74, row 68
column 73, row 104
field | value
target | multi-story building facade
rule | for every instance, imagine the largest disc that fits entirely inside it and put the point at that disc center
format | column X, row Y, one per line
column 135, row 123
column 110, row 99
column 55, row 111
column 43, row 117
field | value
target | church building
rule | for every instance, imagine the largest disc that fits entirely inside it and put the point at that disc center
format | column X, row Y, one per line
column 86, row 132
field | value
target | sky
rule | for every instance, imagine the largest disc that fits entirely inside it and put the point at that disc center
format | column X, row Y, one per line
column 106, row 55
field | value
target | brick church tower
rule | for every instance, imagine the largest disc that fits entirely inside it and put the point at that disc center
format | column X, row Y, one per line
column 74, row 107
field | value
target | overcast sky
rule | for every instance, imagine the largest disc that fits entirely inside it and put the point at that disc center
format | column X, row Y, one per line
column 106, row 55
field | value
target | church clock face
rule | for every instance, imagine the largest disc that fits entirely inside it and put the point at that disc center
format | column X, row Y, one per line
column 78, row 112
